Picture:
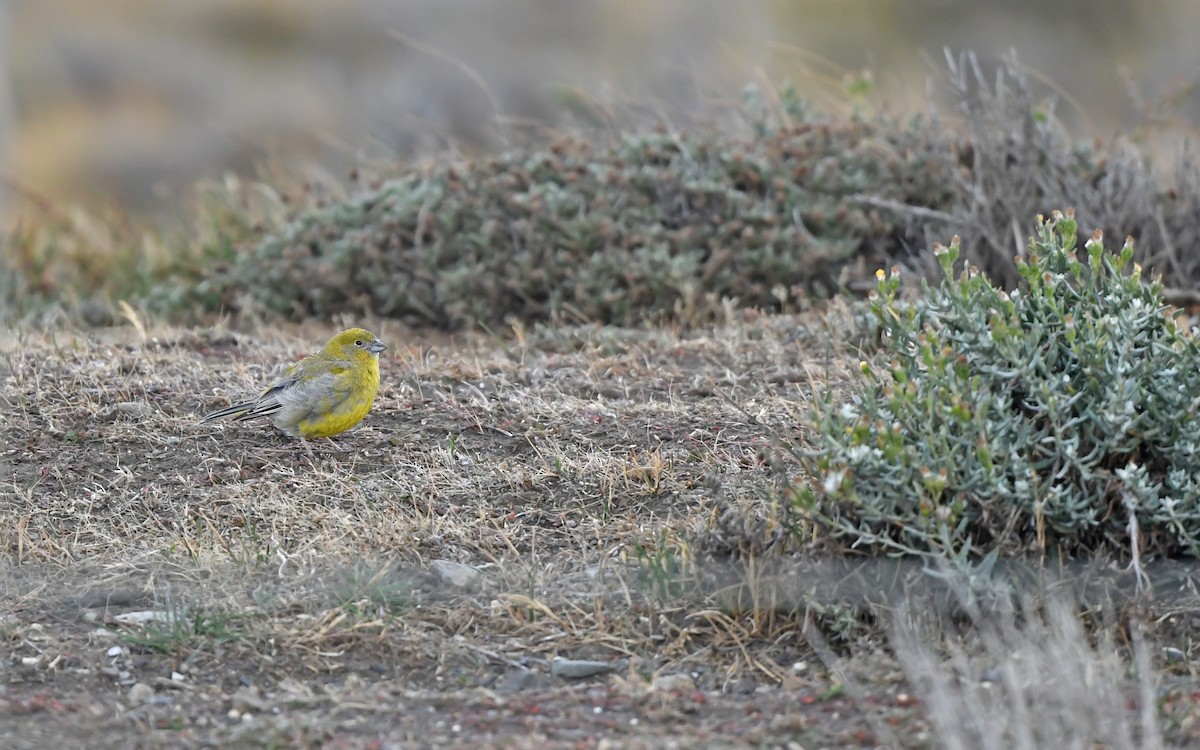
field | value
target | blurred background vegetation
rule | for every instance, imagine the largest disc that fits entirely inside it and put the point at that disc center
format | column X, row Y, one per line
column 129, row 104
column 170, row 154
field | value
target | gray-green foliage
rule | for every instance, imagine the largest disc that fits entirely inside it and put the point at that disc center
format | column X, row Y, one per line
column 638, row 229
column 1057, row 419
column 665, row 224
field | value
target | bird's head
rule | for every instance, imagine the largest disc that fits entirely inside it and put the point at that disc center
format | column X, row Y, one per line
column 354, row 342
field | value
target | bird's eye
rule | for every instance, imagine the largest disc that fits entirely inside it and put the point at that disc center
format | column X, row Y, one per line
column 358, row 342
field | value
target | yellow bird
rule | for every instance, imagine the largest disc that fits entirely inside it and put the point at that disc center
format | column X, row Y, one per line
column 323, row 394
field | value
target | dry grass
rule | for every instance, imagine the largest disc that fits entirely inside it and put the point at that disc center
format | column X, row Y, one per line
column 572, row 467
column 592, row 475
column 1034, row 680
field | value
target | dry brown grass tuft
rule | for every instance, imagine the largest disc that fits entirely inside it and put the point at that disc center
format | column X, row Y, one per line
column 1033, row 679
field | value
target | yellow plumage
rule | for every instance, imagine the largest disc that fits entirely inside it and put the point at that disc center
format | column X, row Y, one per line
column 323, row 394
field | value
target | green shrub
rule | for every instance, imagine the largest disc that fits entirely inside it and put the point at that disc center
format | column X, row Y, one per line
column 641, row 229
column 664, row 225
column 1056, row 420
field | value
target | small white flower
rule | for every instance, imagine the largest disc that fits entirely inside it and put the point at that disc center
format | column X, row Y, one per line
column 859, row 452
column 833, row 481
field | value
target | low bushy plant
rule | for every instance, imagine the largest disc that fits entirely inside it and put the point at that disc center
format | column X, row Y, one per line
column 640, row 229
column 1055, row 420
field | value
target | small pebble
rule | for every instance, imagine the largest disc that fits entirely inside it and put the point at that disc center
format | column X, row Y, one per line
column 671, row 683
column 577, row 668
column 140, row 693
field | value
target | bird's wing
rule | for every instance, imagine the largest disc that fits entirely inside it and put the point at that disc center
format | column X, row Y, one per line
column 313, row 397
column 266, row 403
column 305, row 389
column 270, row 401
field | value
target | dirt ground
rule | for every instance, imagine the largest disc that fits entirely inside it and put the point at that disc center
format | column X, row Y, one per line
column 501, row 555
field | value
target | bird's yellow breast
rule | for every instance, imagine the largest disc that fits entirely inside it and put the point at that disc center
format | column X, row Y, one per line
column 346, row 405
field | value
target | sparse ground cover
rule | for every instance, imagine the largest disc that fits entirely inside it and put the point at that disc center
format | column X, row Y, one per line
column 615, row 497
column 300, row 604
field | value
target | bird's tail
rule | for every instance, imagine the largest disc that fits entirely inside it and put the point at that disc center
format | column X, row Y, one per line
column 236, row 411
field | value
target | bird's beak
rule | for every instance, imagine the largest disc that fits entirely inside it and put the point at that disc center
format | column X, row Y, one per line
column 376, row 347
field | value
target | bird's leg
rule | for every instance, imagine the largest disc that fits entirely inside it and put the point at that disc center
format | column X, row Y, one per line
column 308, row 448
